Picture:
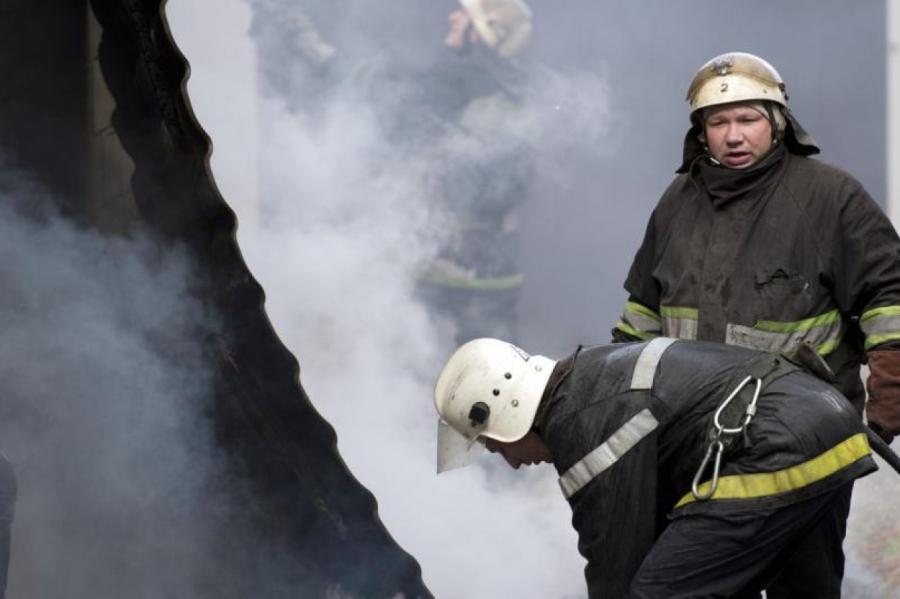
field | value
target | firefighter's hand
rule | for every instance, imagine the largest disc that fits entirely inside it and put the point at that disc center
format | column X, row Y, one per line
column 883, row 385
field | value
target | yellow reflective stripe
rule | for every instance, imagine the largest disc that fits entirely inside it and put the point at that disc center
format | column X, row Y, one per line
column 874, row 340
column 882, row 311
column 478, row 284
column 775, row 326
column 880, row 325
column 765, row 484
column 680, row 312
column 641, row 309
column 826, row 348
column 630, row 330
column 639, row 321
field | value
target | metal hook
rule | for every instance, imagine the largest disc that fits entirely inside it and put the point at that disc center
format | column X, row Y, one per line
column 748, row 413
column 695, row 484
column 716, row 444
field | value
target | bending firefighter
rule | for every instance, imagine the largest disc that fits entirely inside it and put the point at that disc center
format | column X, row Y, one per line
column 692, row 469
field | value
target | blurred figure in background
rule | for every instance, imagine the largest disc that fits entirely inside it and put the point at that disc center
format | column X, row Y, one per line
column 450, row 110
column 475, row 93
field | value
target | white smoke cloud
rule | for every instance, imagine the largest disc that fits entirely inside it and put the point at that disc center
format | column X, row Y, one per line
column 103, row 387
column 344, row 220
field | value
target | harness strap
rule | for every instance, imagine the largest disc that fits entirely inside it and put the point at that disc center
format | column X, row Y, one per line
column 645, row 367
column 629, row 434
column 607, row 453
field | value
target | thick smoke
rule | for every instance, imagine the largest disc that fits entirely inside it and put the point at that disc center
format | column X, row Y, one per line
column 103, row 390
column 344, row 219
column 106, row 414
column 339, row 279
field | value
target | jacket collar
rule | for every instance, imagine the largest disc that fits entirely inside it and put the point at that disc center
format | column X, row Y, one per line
column 725, row 185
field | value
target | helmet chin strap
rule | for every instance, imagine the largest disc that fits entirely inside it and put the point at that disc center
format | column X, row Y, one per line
column 770, row 114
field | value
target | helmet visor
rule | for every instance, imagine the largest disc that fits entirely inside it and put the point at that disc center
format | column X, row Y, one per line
column 454, row 450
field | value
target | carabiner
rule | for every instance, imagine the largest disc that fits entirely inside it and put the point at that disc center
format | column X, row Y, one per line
column 748, row 413
column 695, row 484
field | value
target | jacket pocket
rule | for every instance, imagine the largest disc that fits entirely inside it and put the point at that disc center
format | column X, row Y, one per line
column 780, row 280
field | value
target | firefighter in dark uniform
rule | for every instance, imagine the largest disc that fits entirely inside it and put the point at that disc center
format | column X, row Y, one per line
column 693, row 469
column 475, row 280
column 757, row 245
column 7, row 503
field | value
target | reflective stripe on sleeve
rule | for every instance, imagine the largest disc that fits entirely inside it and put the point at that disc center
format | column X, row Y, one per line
column 645, row 366
column 880, row 325
column 679, row 322
column 608, row 453
column 764, row 484
column 639, row 321
column 822, row 331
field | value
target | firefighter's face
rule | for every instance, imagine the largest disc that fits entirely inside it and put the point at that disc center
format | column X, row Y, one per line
column 528, row 450
column 738, row 135
column 461, row 33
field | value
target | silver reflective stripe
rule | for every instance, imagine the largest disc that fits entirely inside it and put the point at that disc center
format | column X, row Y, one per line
column 880, row 325
column 683, row 328
column 824, row 338
column 608, row 453
column 645, row 367
column 679, row 322
column 639, row 321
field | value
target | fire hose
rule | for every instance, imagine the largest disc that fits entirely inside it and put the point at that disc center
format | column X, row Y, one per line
column 884, row 450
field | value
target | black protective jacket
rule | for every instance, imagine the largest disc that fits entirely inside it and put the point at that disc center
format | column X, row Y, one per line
column 627, row 425
column 790, row 250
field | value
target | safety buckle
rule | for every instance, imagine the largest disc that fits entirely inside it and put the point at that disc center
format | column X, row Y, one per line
column 716, row 444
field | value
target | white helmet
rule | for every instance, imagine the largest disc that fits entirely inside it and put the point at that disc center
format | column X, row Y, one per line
column 488, row 388
column 504, row 25
column 735, row 77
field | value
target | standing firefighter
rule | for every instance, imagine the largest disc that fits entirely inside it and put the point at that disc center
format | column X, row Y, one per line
column 743, row 451
column 475, row 280
column 754, row 244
